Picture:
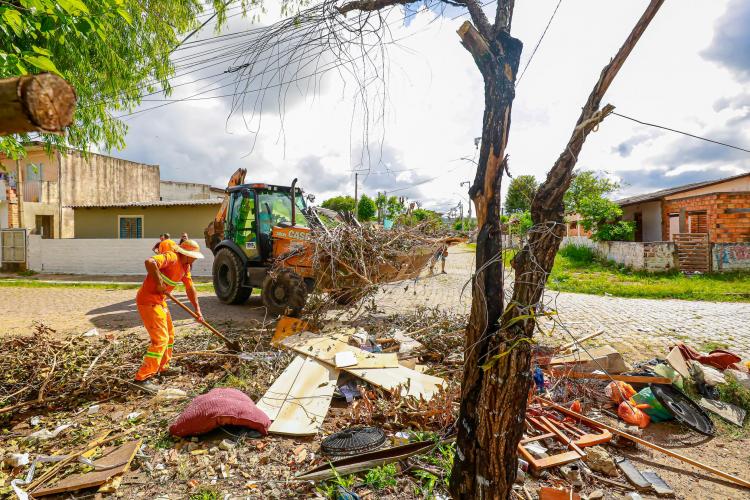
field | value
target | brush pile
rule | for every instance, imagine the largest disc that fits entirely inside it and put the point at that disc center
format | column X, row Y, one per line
column 352, row 260
column 62, row 373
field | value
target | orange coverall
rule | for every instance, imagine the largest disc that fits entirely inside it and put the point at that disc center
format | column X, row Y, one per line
column 166, row 246
column 152, row 307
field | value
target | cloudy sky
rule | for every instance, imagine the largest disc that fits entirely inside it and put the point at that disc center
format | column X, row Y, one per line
column 690, row 72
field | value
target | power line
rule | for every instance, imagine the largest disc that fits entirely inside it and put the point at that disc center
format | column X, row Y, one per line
column 531, row 58
column 196, row 97
column 681, row 132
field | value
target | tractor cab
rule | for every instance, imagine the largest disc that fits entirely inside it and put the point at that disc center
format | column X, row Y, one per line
column 265, row 224
column 256, row 212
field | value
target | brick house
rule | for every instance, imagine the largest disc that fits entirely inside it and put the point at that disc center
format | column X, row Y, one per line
column 719, row 208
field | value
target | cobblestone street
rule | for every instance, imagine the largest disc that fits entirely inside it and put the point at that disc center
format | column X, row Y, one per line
column 634, row 325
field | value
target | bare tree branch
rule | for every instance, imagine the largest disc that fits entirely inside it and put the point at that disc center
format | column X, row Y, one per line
column 371, row 5
column 504, row 15
column 479, row 18
column 558, row 179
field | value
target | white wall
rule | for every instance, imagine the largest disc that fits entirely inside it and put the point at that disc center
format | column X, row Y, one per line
column 98, row 256
column 651, row 213
column 173, row 190
column 578, row 240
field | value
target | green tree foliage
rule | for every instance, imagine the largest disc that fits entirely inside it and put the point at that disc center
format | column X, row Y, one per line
column 366, row 208
column 394, row 207
column 521, row 192
column 465, row 225
column 587, row 184
column 520, row 223
column 601, row 217
column 389, row 207
column 420, row 216
column 381, row 202
column 339, row 204
column 111, row 51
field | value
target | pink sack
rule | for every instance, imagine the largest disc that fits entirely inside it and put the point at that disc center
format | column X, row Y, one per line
column 217, row 408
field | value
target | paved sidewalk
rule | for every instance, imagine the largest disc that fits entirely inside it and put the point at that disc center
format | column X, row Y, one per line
column 641, row 326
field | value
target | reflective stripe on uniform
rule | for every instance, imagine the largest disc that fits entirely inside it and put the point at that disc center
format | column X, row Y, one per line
column 169, row 346
column 156, row 355
column 168, row 281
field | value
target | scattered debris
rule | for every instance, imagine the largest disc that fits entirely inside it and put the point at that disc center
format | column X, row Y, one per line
column 113, row 463
column 365, row 461
column 728, row 412
column 353, row 441
column 684, row 409
column 547, row 493
column 298, row 400
column 659, row 486
column 633, row 474
column 222, row 406
column 605, row 358
column 599, row 460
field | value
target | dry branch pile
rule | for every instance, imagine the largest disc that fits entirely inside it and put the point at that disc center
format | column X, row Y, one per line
column 61, row 373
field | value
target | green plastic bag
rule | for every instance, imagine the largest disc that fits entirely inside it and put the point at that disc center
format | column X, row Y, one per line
column 667, row 371
column 657, row 412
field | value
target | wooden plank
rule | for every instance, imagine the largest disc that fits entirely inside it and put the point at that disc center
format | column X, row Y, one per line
column 298, row 400
column 325, row 348
column 115, row 462
column 412, row 382
column 634, row 379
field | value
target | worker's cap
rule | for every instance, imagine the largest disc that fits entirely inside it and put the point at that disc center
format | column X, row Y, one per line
column 189, row 248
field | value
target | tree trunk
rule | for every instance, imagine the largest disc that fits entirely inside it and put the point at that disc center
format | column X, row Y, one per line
column 35, row 103
column 493, row 399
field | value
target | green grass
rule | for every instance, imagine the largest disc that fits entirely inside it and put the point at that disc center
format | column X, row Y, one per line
column 42, row 284
column 104, row 285
column 381, row 478
column 712, row 346
column 578, row 270
column 599, row 278
column 205, row 493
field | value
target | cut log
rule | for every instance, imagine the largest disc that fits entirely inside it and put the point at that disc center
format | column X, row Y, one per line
column 36, row 103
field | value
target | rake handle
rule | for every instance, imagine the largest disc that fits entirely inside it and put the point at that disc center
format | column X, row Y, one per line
column 202, row 322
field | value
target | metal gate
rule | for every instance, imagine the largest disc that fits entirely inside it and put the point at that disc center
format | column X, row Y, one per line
column 13, row 245
column 693, row 252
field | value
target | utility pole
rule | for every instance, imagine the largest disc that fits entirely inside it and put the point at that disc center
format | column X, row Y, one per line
column 461, row 208
column 356, row 180
column 468, row 183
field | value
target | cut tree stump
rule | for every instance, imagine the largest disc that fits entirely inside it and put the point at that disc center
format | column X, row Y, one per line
column 36, row 103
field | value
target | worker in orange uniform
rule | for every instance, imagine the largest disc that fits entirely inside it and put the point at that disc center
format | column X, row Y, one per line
column 165, row 244
column 165, row 271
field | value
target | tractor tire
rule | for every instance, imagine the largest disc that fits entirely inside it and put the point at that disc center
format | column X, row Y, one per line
column 346, row 296
column 228, row 273
column 286, row 293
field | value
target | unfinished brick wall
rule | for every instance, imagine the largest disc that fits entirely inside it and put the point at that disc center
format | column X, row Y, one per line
column 726, row 220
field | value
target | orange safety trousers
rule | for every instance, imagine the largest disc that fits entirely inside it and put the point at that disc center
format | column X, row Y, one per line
column 158, row 323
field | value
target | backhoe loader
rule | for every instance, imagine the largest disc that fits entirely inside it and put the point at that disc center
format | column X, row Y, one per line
column 261, row 238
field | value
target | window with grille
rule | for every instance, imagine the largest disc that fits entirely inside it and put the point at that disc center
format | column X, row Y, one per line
column 131, row 227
